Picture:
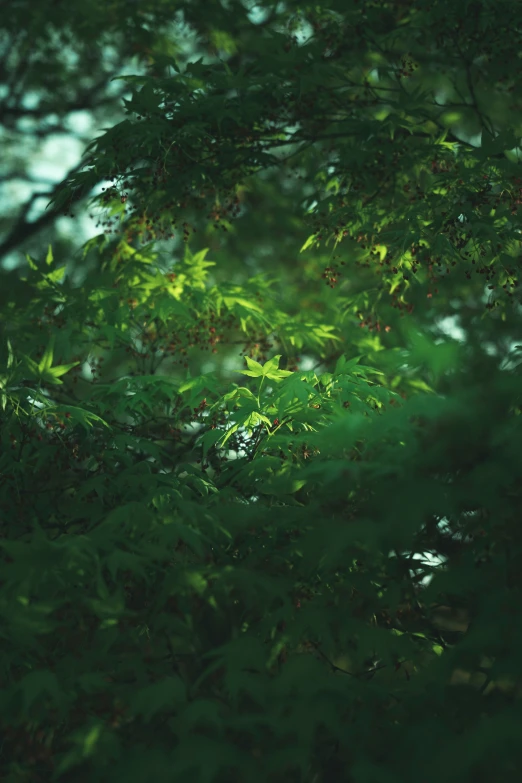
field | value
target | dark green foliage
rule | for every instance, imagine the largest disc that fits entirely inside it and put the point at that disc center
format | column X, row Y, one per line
column 231, row 571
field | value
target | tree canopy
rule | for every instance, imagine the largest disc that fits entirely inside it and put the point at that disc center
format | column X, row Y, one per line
column 259, row 503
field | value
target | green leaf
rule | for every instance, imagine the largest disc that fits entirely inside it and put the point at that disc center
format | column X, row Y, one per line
column 311, row 239
column 255, row 370
column 32, row 263
column 282, row 485
column 209, row 439
column 169, row 693
column 295, row 387
column 56, row 275
column 268, row 370
column 47, row 358
column 41, row 685
column 418, row 383
column 52, row 374
column 232, row 301
column 84, row 417
column 345, row 366
column 10, row 355
column 255, row 418
column 230, row 431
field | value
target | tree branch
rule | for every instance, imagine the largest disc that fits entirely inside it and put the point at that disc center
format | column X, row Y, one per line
column 23, row 230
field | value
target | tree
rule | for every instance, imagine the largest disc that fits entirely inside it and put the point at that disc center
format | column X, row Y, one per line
column 303, row 566
column 54, row 65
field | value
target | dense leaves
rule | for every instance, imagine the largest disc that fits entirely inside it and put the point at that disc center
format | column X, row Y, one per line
column 304, row 564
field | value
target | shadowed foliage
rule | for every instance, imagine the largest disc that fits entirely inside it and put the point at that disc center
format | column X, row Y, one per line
column 259, row 505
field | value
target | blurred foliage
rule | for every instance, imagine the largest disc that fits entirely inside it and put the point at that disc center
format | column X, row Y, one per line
column 303, row 564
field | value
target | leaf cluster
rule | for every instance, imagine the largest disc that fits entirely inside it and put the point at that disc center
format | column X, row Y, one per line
column 224, row 569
